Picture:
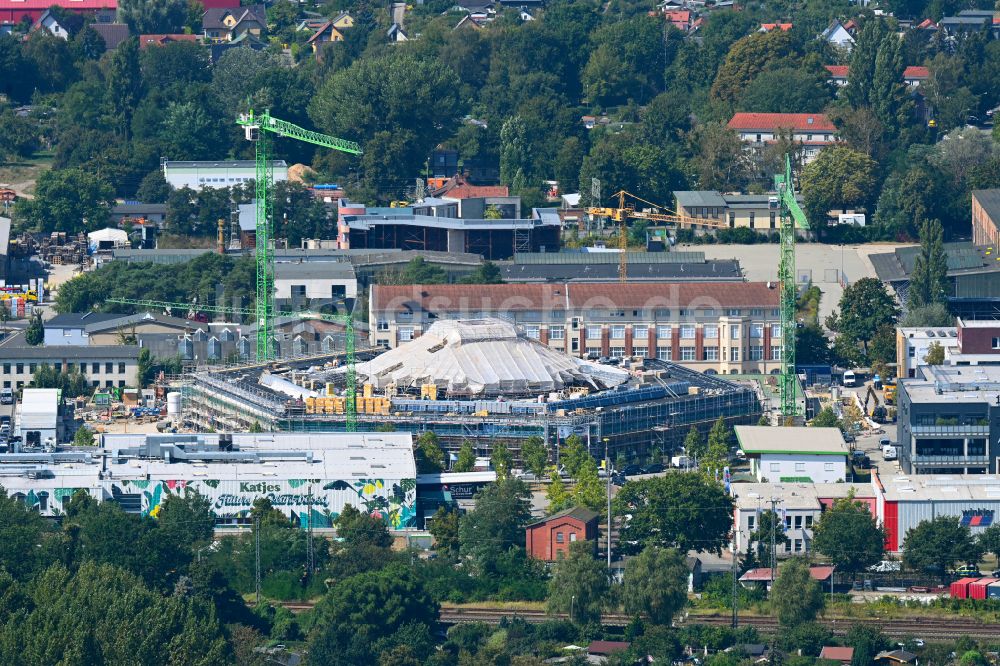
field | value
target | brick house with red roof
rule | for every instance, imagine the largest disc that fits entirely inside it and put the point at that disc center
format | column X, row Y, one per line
column 549, row 538
column 813, row 131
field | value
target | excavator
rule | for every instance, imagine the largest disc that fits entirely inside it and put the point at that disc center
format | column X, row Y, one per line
column 878, row 412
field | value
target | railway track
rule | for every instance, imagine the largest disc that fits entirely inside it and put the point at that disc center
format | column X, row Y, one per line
column 925, row 628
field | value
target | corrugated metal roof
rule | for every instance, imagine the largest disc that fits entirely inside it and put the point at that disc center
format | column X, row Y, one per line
column 516, row 297
column 609, row 258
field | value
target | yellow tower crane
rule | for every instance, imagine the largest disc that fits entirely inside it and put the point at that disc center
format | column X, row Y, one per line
column 627, row 210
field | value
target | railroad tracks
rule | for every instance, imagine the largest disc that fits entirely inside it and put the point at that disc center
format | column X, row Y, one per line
column 918, row 627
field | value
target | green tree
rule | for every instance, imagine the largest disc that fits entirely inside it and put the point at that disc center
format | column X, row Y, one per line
column 466, row 461
column 935, row 354
column 929, row 279
column 535, row 455
column 416, row 271
column 769, row 524
column 839, row 178
column 694, row 445
column 936, row 545
column 164, row 17
column 496, row 524
column 444, row 529
column 579, row 585
column 125, row 83
column 501, row 460
column 928, row 316
column 589, row 491
column 746, row 59
column 83, row 437
column 861, row 75
column 430, row 456
column 811, row 345
column 656, row 584
column 359, row 529
column 514, row 150
column 890, row 101
column 573, row 454
column 485, row 273
column 556, row 493
column 867, row 641
column 364, row 609
column 777, row 90
column 186, row 520
column 796, row 597
column 69, row 200
column 989, row 540
column 719, row 160
column 684, row 511
column 826, row 419
column 418, row 105
column 22, row 531
column 850, row 536
column 18, row 136
column 865, row 307
column 34, row 334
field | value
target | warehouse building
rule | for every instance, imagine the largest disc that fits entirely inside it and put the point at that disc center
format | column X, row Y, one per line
column 197, row 175
column 481, row 381
column 903, row 502
column 723, row 328
column 308, row 477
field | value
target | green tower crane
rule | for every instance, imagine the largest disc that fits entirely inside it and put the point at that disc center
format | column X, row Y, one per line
column 792, row 219
column 350, row 393
column 257, row 128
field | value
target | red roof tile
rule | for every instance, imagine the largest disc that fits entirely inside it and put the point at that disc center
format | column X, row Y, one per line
column 768, row 27
column 160, row 40
column 764, row 574
column 839, row 71
column 476, row 299
column 775, row 121
column 927, row 23
column 837, row 653
column 607, row 647
column 79, row 5
column 914, row 72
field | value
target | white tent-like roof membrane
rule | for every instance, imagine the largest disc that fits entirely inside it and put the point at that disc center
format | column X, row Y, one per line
column 484, row 357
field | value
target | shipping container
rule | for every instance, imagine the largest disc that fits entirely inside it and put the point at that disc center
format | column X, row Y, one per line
column 977, row 590
column 993, row 591
column 960, row 588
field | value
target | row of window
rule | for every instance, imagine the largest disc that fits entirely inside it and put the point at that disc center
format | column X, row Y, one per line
column 658, row 313
column 801, row 467
column 224, row 180
column 108, row 383
column 689, row 353
column 791, row 522
column 95, row 368
column 665, row 332
column 561, row 537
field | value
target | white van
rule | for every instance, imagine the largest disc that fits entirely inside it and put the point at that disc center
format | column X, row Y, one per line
column 849, row 378
column 888, row 449
column 6, row 396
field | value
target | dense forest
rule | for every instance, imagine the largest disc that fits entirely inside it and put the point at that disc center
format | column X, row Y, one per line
column 512, row 95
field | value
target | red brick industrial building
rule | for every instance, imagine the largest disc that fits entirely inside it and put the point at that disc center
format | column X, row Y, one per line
column 549, row 538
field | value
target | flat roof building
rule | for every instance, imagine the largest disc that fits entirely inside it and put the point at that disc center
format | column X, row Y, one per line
column 223, row 173
column 305, row 476
column 949, row 420
column 759, row 212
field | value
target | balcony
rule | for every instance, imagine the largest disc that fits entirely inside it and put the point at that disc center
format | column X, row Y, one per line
column 950, row 461
column 947, row 431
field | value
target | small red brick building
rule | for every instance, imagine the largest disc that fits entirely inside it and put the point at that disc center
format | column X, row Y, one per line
column 549, row 538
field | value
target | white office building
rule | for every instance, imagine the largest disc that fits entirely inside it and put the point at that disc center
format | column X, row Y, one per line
column 794, row 455
column 197, row 175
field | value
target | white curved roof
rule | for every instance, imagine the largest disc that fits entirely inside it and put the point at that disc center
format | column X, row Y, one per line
column 483, row 356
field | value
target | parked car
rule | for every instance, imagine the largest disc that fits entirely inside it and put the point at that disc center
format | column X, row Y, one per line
column 632, row 470
column 849, row 438
column 618, row 479
column 655, row 468
column 967, row 570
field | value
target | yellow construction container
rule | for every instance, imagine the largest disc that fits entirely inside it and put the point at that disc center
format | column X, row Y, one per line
column 330, row 389
column 368, row 390
column 428, row 392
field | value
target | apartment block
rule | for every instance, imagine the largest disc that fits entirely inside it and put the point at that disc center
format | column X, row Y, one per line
column 723, row 328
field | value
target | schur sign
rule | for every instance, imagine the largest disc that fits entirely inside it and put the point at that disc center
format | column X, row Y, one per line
column 977, row 517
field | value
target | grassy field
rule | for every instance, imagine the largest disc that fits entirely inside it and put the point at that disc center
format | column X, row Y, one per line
column 21, row 176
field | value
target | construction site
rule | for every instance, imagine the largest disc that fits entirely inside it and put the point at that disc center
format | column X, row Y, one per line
column 481, row 381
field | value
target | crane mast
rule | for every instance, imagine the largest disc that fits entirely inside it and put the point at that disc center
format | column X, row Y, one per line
column 792, row 219
column 257, row 129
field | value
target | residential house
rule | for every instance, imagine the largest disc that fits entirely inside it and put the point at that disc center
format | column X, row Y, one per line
column 549, row 538
column 309, row 285
column 813, row 131
column 468, row 22
column 228, row 24
column 113, row 34
column 327, row 33
column 163, row 40
column 986, row 218
column 913, row 75
column 604, row 650
column 895, row 657
column 53, row 25
column 839, row 36
column 771, row 27
column 458, row 187
column 969, row 21
column 679, row 18
column 395, row 34
column 713, row 327
column 843, row 655
column 310, row 24
column 763, row 576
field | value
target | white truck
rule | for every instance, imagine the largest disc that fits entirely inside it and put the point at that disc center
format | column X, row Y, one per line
column 888, row 449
